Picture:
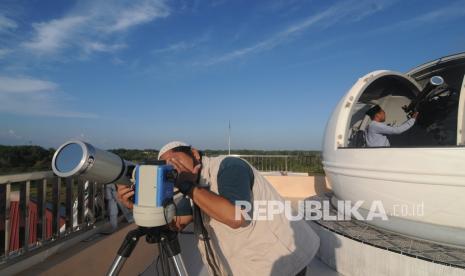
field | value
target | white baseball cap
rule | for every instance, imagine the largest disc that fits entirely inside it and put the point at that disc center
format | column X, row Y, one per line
column 170, row 146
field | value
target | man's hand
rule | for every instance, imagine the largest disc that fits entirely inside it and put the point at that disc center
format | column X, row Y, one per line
column 180, row 222
column 124, row 195
column 186, row 177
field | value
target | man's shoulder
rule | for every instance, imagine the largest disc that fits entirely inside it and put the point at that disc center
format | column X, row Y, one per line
column 376, row 125
column 226, row 161
column 233, row 161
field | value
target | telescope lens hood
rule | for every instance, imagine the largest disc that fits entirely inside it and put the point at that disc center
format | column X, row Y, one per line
column 73, row 157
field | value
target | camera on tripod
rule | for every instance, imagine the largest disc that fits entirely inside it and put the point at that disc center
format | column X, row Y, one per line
column 153, row 184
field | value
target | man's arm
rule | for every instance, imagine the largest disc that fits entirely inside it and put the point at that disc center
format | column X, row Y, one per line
column 217, row 207
column 235, row 179
column 385, row 129
column 183, row 214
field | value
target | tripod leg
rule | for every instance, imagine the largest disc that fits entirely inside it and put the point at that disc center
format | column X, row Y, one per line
column 170, row 243
column 116, row 266
column 125, row 250
column 179, row 265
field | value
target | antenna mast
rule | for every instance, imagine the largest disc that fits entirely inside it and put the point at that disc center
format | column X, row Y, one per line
column 229, row 138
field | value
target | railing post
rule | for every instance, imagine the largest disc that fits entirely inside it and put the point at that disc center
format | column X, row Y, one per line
column 24, row 215
column 2, row 219
column 56, row 207
column 91, row 200
column 311, row 163
column 41, row 209
column 69, row 204
column 81, row 202
column 5, row 217
column 285, row 163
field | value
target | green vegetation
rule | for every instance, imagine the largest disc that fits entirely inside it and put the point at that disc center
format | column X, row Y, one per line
column 18, row 159
column 135, row 155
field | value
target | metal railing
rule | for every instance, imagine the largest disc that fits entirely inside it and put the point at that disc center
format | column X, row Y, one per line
column 66, row 206
column 63, row 207
column 310, row 164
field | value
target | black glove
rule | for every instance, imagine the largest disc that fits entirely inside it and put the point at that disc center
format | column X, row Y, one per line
column 185, row 187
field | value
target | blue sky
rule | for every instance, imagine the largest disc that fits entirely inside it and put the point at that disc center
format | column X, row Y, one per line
column 137, row 74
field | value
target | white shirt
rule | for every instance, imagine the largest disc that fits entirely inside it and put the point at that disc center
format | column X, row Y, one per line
column 376, row 133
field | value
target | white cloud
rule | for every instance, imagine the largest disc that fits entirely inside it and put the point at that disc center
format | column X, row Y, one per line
column 102, row 47
column 24, row 85
column 7, row 23
column 138, row 14
column 13, row 134
column 175, row 47
column 93, row 27
column 444, row 13
column 348, row 11
column 30, row 96
column 55, row 34
column 183, row 45
column 10, row 135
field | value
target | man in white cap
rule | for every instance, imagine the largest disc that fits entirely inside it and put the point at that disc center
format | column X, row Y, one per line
column 230, row 244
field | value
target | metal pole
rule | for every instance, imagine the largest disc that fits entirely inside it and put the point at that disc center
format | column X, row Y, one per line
column 116, row 266
column 286, row 163
column 42, row 202
column 5, row 218
column 179, row 265
column 69, row 221
column 56, row 208
column 229, row 138
column 125, row 250
column 81, row 203
column 24, row 217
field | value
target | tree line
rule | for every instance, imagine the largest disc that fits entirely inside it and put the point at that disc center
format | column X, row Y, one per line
column 18, row 159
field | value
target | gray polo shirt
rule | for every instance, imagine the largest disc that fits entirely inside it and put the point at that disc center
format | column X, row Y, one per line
column 376, row 133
